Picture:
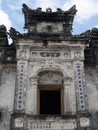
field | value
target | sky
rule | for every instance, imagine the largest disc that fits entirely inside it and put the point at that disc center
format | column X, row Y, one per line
column 86, row 18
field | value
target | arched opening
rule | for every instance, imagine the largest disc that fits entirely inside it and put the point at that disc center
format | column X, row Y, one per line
column 50, row 93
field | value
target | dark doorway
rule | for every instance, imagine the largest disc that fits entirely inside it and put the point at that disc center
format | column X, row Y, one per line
column 50, row 102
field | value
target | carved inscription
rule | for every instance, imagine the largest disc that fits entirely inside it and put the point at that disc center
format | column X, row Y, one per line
column 80, row 86
column 20, row 87
column 49, row 54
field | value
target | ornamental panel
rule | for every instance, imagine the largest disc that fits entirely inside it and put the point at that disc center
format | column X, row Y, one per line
column 80, row 86
column 20, row 87
column 50, row 53
column 53, row 125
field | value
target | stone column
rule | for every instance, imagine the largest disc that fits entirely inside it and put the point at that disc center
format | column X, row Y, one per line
column 66, row 99
column 31, row 96
column 0, row 72
column 69, row 96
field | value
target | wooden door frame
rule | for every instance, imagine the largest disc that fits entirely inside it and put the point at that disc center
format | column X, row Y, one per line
column 51, row 87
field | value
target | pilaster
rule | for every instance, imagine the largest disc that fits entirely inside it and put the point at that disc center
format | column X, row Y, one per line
column 31, row 96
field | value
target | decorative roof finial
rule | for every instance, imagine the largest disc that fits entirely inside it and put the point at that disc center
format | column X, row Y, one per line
column 39, row 9
column 25, row 8
column 48, row 10
column 59, row 10
column 73, row 9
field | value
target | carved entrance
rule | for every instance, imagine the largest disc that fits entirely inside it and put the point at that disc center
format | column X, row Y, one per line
column 50, row 93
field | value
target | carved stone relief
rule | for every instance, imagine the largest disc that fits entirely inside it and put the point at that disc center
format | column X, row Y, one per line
column 67, row 80
column 19, row 122
column 66, row 54
column 50, row 63
column 84, row 122
column 49, row 27
column 34, row 80
column 33, row 54
column 49, row 54
column 77, row 54
column 23, row 54
column 50, row 77
column 52, row 124
column 57, row 65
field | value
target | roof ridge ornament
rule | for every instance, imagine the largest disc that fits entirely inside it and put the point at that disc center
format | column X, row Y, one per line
column 49, row 24
column 59, row 10
column 25, row 8
column 72, row 9
column 39, row 9
column 48, row 10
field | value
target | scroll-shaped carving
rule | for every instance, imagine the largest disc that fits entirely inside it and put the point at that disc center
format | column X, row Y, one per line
column 25, row 8
column 14, row 33
column 67, row 80
column 72, row 9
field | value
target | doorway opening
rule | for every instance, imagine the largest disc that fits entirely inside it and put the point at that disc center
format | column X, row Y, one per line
column 50, row 95
column 50, row 102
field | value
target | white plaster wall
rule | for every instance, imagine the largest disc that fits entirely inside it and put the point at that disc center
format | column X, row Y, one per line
column 91, row 78
column 7, row 88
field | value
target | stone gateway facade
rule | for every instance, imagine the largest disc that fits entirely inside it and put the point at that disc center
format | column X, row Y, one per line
column 48, row 77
